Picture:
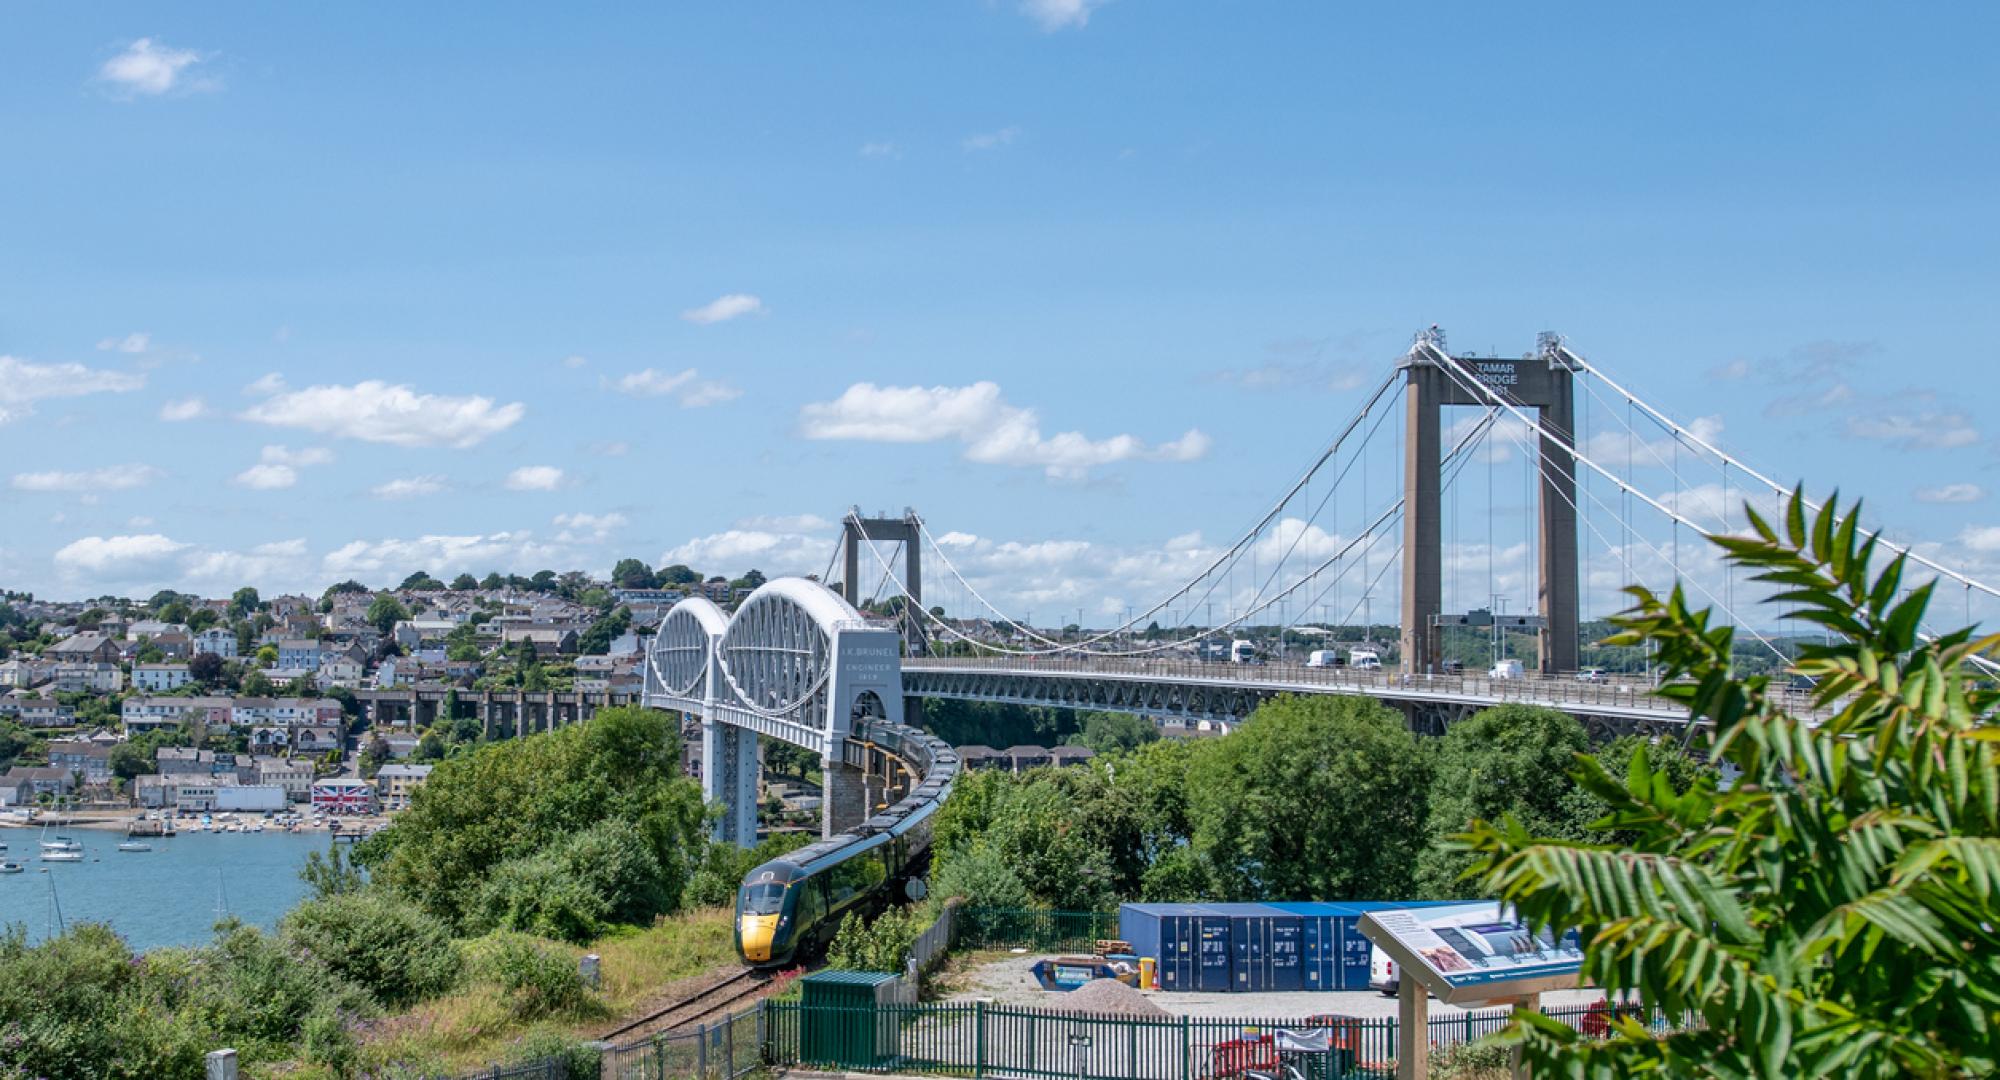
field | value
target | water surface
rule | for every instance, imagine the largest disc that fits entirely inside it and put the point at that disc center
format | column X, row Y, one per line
column 170, row 895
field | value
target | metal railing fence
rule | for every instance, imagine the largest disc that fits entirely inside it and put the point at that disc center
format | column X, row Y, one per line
column 979, row 1040
column 727, row 1049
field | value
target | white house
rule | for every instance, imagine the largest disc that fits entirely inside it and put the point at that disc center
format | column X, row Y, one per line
column 160, row 678
column 218, row 640
column 89, row 679
column 152, row 713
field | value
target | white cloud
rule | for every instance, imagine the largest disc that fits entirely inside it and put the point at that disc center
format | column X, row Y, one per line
column 574, row 361
column 265, row 385
column 1730, row 372
column 881, row 150
column 1951, row 493
column 1922, row 431
column 687, row 386
column 267, row 477
column 133, row 343
column 311, row 455
column 408, row 487
column 992, row 431
column 375, row 411
column 117, row 558
column 192, row 408
column 586, row 528
column 22, row 384
column 278, row 467
column 1053, row 15
column 736, row 550
column 724, row 308
column 990, row 140
column 507, row 552
column 1983, row 539
column 535, row 478
column 150, row 68
column 110, row 478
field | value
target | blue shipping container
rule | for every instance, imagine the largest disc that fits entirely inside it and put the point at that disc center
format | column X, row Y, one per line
column 1336, row 955
column 1190, row 944
column 1267, row 947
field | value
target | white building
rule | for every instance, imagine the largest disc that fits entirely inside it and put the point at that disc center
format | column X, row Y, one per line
column 153, row 713
column 218, row 640
column 160, row 678
column 89, row 679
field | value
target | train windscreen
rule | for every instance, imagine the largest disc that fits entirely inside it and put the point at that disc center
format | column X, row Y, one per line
column 766, row 898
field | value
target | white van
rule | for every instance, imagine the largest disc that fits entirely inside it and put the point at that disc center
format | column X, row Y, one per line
column 1364, row 660
column 1507, row 669
column 1242, row 651
column 1323, row 658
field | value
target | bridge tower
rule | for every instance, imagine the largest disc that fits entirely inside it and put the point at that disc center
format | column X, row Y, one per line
column 907, row 530
column 1544, row 381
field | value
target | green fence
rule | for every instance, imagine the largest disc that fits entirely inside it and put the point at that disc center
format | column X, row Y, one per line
column 1045, row 931
column 980, row 1040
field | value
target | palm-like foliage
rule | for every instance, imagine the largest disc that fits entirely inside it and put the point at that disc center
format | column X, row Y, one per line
column 1834, row 912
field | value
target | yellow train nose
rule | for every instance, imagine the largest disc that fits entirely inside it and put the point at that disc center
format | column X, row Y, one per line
column 755, row 933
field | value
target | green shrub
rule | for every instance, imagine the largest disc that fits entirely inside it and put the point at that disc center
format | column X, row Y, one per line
column 539, row 978
column 981, row 877
column 604, row 876
column 1472, row 1061
column 579, row 1058
column 878, row 944
column 382, row 944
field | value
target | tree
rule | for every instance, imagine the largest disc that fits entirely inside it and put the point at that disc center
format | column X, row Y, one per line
column 385, row 612
column 1108, row 733
column 205, row 667
column 786, row 759
column 258, row 684
column 129, row 761
column 597, row 639
column 543, row 581
column 148, row 653
column 331, row 874
column 506, row 800
column 421, row 581
column 1510, row 759
column 1836, row 911
column 492, row 581
column 267, row 655
column 464, row 583
column 244, row 601
column 677, row 574
column 632, row 574
column 462, row 642
column 1320, row 797
column 750, row 580
column 202, row 619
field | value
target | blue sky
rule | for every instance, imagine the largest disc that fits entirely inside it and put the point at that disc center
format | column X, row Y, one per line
column 295, row 294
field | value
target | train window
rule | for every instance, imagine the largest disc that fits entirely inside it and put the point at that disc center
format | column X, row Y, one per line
column 811, row 904
column 763, row 899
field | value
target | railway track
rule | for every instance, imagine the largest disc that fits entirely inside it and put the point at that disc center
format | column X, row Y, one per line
column 716, row 998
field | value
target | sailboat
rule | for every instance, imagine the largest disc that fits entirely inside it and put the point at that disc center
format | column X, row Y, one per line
column 61, row 849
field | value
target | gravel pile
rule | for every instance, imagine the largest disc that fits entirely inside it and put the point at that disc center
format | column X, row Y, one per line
column 1111, row 997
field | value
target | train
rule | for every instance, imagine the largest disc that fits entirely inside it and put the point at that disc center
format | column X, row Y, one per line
column 789, row 908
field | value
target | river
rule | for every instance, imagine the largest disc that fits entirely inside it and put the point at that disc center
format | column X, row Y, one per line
column 170, row 895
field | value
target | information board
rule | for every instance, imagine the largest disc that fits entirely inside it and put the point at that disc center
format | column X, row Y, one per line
column 1474, row 948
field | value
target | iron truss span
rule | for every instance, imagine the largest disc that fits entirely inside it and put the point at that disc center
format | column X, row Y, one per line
column 1193, row 691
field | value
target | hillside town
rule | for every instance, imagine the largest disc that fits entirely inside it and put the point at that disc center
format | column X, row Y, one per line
column 250, row 704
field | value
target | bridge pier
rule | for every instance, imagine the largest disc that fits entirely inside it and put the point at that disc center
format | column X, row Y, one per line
column 730, row 772
column 844, row 797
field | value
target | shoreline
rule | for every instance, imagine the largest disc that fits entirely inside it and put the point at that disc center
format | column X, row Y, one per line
column 120, row 821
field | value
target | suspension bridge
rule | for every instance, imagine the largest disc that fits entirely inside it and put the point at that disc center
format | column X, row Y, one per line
column 1614, row 491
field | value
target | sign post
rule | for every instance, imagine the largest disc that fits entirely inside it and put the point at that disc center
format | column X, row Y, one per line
column 1466, row 955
